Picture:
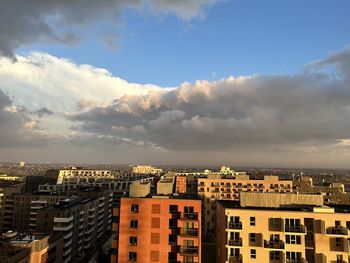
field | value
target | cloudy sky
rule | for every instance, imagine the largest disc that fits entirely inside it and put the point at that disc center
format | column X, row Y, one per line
column 236, row 82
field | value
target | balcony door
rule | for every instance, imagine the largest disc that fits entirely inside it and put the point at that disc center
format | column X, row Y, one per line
column 292, row 222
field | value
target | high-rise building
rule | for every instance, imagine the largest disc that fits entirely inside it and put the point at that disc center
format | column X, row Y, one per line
column 159, row 230
column 78, row 220
column 8, row 189
column 282, row 230
column 221, row 187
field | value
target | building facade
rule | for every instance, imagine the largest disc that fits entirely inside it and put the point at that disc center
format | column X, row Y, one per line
column 218, row 187
column 291, row 234
column 159, row 230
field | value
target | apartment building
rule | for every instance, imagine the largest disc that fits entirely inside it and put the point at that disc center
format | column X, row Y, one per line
column 37, row 247
column 288, row 232
column 78, row 174
column 8, row 189
column 77, row 219
column 332, row 194
column 223, row 187
column 159, row 229
column 146, row 169
column 26, row 206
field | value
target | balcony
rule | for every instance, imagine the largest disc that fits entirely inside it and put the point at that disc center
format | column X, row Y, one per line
column 298, row 260
column 295, row 229
column 274, row 244
column 189, row 216
column 235, row 259
column 337, row 230
column 63, row 228
column 235, row 225
column 235, row 242
column 193, row 251
column 189, row 232
column 63, row 219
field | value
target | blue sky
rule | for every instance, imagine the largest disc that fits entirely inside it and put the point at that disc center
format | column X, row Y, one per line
column 89, row 103
column 234, row 38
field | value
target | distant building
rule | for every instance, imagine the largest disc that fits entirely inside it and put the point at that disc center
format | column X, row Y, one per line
column 288, row 232
column 332, row 194
column 32, row 182
column 77, row 174
column 145, row 169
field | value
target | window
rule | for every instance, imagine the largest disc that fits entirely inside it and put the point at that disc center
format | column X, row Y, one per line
column 134, row 224
column 253, row 253
column 173, row 209
column 275, row 255
column 293, row 256
column 155, row 222
column 252, row 237
column 132, row 256
column 154, row 256
column 338, row 242
column 133, row 241
column 252, row 220
column 155, row 209
column 348, row 225
column 293, row 239
column 134, row 208
column 155, row 238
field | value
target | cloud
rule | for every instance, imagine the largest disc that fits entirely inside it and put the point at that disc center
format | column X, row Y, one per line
column 61, row 85
column 299, row 120
column 18, row 129
column 25, row 22
column 309, row 108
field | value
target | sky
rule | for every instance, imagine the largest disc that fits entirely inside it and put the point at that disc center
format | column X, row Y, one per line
column 242, row 83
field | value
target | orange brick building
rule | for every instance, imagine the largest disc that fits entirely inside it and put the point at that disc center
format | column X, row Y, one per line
column 159, row 229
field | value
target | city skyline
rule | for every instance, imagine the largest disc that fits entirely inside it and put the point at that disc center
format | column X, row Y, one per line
column 176, row 82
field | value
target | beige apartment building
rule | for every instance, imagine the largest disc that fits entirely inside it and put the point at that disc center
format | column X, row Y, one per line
column 146, row 169
column 77, row 174
column 286, row 233
column 332, row 194
column 222, row 187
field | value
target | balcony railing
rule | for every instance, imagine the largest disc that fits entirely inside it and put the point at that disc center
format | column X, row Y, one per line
column 274, row 244
column 236, row 242
column 235, row 225
column 295, row 229
column 189, row 216
column 190, row 232
column 190, row 250
column 337, row 230
column 235, row 259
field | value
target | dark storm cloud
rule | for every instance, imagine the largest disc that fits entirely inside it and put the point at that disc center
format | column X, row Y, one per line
column 312, row 107
column 24, row 22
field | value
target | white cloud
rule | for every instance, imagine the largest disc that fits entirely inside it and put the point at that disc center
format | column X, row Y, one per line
column 284, row 120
